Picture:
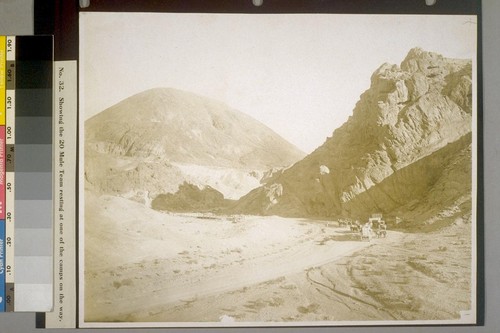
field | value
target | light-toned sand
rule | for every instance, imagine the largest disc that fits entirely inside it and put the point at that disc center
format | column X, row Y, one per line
column 147, row 266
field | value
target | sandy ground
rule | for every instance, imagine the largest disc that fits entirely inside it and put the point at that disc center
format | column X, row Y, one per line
column 146, row 266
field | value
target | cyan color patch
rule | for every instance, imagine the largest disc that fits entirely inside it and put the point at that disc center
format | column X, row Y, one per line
column 2, row 265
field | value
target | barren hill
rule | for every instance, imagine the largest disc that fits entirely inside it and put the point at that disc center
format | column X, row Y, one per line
column 405, row 150
column 153, row 141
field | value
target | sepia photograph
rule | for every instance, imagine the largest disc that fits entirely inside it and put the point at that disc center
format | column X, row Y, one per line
column 277, row 169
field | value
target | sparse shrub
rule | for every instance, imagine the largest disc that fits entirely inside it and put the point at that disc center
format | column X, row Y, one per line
column 288, row 286
column 311, row 308
column 276, row 301
column 125, row 282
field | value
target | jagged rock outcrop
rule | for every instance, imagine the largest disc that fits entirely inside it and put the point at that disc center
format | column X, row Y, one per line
column 393, row 150
column 152, row 142
column 190, row 198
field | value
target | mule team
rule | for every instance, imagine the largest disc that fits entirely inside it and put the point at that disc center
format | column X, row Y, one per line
column 368, row 229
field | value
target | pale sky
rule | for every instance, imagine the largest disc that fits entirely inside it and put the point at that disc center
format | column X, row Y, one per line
column 300, row 74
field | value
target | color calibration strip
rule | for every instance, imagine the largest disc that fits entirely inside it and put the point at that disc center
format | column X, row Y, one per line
column 9, row 170
column 29, row 174
column 33, row 173
column 3, row 61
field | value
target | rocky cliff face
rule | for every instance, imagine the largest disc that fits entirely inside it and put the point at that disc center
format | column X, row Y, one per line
column 152, row 142
column 392, row 152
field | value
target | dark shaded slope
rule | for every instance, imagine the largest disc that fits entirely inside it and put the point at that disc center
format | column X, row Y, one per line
column 410, row 114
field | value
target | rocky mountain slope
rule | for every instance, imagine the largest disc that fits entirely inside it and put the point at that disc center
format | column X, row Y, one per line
column 156, row 140
column 405, row 149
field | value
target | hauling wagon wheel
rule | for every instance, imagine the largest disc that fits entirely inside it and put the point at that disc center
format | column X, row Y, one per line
column 381, row 231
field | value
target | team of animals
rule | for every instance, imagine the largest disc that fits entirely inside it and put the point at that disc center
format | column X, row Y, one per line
column 375, row 226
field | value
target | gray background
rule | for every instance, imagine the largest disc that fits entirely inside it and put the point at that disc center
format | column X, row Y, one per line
column 16, row 18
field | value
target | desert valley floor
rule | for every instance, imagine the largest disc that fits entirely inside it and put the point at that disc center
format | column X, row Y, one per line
column 143, row 265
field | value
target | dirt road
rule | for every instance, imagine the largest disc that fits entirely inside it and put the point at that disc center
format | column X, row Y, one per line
column 196, row 268
column 217, row 255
